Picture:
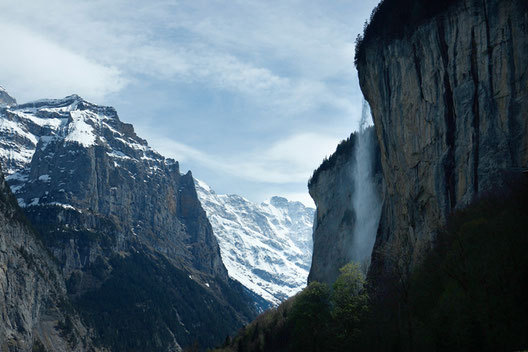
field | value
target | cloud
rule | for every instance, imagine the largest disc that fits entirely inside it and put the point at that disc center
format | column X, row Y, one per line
column 199, row 72
column 28, row 58
column 288, row 160
column 278, row 54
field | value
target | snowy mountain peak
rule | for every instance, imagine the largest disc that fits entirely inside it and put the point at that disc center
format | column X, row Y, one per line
column 266, row 247
column 279, row 201
column 67, row 104
column 52, row 126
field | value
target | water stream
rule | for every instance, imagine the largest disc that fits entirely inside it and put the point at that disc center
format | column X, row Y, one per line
column 365, row 199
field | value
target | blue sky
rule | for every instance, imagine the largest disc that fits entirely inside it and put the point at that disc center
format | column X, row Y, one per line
column 248, row 95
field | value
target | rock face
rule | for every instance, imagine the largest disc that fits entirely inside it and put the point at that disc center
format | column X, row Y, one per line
column 450, row 106
column 114, row 212
column 267, row 247
column 332, row 189
column 32, row 293
column 5, row 98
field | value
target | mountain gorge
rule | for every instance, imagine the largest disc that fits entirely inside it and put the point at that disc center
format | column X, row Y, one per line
column 447, row 85
column 267, row 247
column 134, row 247
column 106, row 245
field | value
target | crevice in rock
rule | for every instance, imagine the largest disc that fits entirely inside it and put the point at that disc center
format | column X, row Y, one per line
column 475, row 124
column 450, row 123
column 513, row 125
column 455, row 42
column 489, row 49
column 418, row 71
column 387, row 84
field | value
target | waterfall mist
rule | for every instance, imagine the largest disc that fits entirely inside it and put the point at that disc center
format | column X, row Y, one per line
column 365, row 199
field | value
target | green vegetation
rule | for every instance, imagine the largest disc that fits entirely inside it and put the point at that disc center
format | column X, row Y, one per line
column 471, row 290
column 350, row 305
column 55, row 233
column 392, row 19
column 469, row 293
column 145, row 303
column 345, row 150
column 317, row 319
column 345, row 147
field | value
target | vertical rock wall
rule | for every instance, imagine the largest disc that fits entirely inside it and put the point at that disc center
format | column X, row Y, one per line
column 450, row 107
column 33, row 301
column 332, row 189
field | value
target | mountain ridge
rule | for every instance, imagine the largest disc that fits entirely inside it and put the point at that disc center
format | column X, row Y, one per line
column 267, row 246
column 107, row 205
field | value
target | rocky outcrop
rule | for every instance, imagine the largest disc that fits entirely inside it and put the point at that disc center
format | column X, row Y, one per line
column 332, row 189
column 75, row 155
column 5, row 98
column 449, row 100
column 34, row 306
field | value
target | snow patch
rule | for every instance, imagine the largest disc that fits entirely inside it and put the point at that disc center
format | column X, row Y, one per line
column 79, row 130
column 65, row 206
column 34, row 201
column 118, row 154
column 11, row 127
column 44, row 178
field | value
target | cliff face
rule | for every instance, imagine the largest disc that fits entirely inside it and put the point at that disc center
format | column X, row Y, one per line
column 125, row 226
column 332, row 189
column 5, row 98
column 450, row 105
column 33, row 296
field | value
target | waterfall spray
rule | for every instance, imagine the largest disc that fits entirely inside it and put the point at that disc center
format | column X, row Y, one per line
column 365, row 199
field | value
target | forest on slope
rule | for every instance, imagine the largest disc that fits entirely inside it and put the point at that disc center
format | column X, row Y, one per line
column 446, row 85
column 468, row 293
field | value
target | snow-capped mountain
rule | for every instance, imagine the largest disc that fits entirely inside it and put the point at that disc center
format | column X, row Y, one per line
column 45, row 127
column 267, row 247
column 124, row 225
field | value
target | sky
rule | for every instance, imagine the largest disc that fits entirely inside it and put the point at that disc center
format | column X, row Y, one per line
column 249, row 95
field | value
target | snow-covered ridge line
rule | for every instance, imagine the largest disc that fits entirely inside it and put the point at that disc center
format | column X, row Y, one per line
column 40, row 126
column 267, row 247
column 72, row 120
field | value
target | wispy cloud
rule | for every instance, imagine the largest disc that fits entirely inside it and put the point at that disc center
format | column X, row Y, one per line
column 288, row 160
column 278, row 74
column 269, row 52
column 28, row 58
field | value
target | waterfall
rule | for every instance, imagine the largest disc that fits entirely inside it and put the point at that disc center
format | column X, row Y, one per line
column 365, row 199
